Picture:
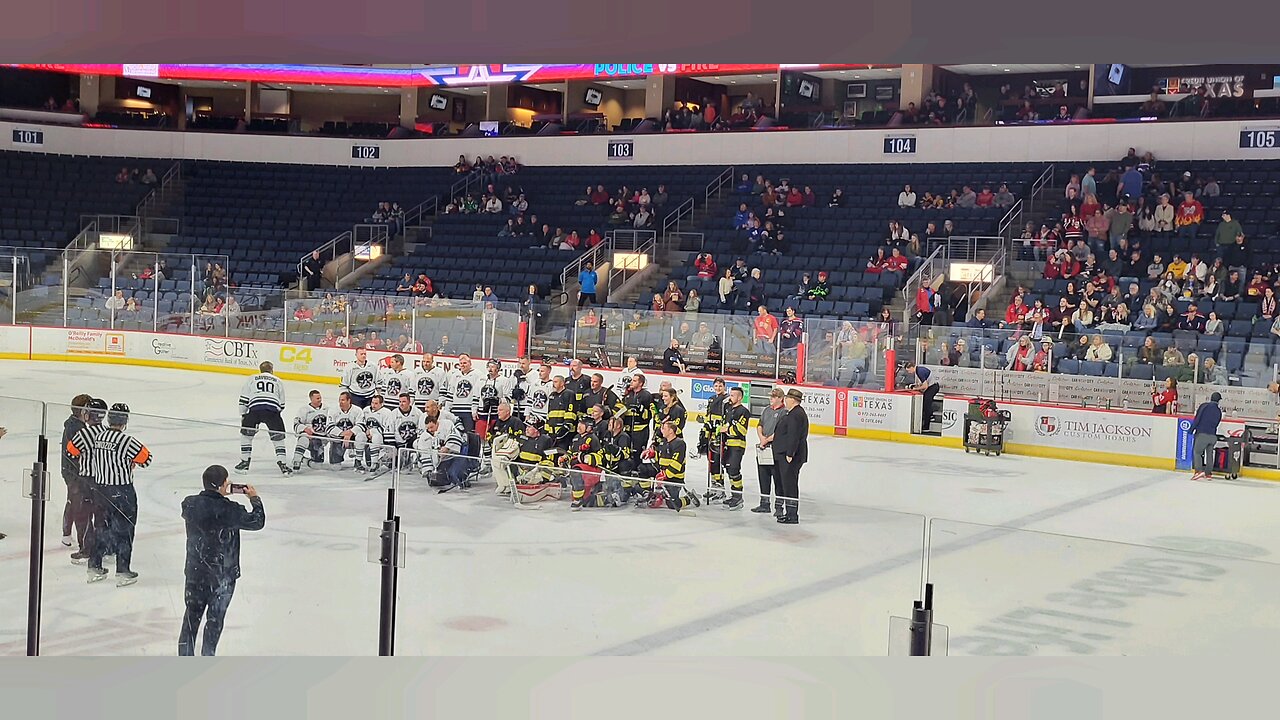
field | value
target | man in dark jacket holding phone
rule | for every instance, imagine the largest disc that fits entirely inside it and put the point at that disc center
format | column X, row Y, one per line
column 214, row 522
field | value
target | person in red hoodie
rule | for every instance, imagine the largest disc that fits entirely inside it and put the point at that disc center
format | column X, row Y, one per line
column 1190, row 215
column 986, row 198
column 594, row 238
column 795, row 198
column 897, row 262
column 1052, row 269
column 705, row 266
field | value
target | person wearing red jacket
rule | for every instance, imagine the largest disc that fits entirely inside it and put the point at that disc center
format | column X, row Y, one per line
column 897, row 262
column 924, row 305
column 1164, row 402
column 878, row 262
column 1015, row 315
column 705, row 266
column 1190, row 215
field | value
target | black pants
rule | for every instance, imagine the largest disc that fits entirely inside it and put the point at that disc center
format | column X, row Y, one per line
column 770, row 480
column 929, row 394
column 115, row 518
column 80, row 505
column 467, row 422
column 205, row 594
column 789, row 477
column 361, row 401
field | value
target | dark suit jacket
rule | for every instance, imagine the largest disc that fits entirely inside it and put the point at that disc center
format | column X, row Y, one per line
column 791, row 436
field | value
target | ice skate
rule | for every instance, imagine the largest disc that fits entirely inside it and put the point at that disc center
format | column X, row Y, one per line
column 97, row 574
column 284, row 469
column 734, row 502
column 242, row 468
column 126, row 579
column 79, row 558
column 763, row 507
column 66, row 541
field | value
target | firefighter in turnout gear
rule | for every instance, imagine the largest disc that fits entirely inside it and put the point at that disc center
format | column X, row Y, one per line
column 602, row 395
column 619, row 457
column 672, row 411
column 562, row 413
column 710, row 439
column 733, row 446
column 637, row 412
column 587, row 458
column 668, row 472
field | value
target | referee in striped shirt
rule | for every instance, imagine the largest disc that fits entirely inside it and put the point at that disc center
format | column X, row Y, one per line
column 109, row 456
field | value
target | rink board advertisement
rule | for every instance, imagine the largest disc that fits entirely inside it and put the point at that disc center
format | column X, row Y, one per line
column 1128, row 438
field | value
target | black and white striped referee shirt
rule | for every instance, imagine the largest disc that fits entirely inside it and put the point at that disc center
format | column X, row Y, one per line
column 108, row 455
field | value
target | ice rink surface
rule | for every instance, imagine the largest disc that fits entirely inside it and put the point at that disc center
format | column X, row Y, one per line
column 1028, row 555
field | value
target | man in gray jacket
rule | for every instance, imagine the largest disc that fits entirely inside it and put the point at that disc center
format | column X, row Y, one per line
column 766, row 470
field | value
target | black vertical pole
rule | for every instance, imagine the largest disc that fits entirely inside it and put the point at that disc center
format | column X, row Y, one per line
column 922, row 624
column 34, row 582
column 390, row 572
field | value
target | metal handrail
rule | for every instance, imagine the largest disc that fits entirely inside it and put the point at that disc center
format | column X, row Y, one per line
column 675, row 217
column 160, row 191
column 924, row 269
column 1045, row 179
column 414, row 216
column 716, row 187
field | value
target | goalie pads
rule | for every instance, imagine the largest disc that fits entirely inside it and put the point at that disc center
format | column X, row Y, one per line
column 525, row 494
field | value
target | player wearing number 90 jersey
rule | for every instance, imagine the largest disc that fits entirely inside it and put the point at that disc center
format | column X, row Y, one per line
column 261, row 402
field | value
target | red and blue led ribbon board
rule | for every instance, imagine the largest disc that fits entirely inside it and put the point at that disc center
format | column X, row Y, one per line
column 450, row 76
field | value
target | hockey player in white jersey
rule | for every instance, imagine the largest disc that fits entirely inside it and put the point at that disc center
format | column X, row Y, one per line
column 394, row 379
column 538, row 395
column 407, row 426
column 312, row 426
column 428, row 381
column 624, row 381
column 344, row 428
column 372, row 433
column 261, row 403
column 520, row 382
column 462, row 390
column 436, row 410
column 495, row 389
column 443, row 461
column 360, row 379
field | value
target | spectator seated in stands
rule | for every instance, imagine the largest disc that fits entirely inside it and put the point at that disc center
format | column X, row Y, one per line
column 1267, row 305
column 594, row 238
column 1256, row 287
column 1212, row 373
column 898, row 263
column 493, row 204
column 462, row 167
column 705, row 267
column 116, row 302
column 519, row 206
column 968, row 199
column 744, row 186
column 1062, row 266
column 820, row 290
column 570, row 241
column 979, row 320
column 907, row 198
column 1020, row 355
column 1003, row 198
column 795, row 198
column 642, row 219
column 810, row 197
column 619, row 215
column 123, row 177
column 304, row 314
column 1015, row 315
column 692, row 301
column 837, row 198
column 149, row 178
column 742, row 220
column 673, row 298
column 1099, row 350
column 212, row 305
column 878, row 262
column 986, row 198
column 423, row 287
column 701, row 340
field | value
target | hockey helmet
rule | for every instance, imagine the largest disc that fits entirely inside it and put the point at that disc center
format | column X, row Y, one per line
column 97, row 410
column 119, row 415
